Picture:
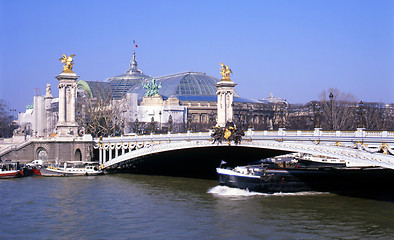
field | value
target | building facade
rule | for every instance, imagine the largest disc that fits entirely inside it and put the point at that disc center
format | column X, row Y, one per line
column 185, row 101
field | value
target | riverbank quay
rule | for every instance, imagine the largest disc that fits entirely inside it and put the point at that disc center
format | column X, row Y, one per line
column 50, row 149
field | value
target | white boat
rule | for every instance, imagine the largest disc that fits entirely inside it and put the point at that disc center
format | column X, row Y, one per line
column 72, row 168
column 10, row 170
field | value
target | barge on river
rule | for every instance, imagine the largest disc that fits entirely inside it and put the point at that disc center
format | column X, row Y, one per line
column 307, row 176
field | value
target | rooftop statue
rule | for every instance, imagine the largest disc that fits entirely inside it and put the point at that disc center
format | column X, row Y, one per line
column 225, row 70
column 31, row 106
column 68, row 63
column 152, row 88
column 48, row 91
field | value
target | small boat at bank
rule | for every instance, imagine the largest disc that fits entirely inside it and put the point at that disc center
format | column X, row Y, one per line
column 10, row 170
column 303, row 176
column 72, row 168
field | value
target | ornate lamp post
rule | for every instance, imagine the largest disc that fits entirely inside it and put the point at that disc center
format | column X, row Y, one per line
column 383, row 119
column 360, row 111
column 212, row 119
column 281, row 114
column 331, row 96
column 113, row 130
column 250, row 116
column 189, row 122
column 170, row 123
column 122, row 127
column 137, row 125
column 160, row 120
column 152, row 122
column 317, row 112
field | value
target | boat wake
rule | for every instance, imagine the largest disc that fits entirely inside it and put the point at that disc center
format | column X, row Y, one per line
column 236, row 192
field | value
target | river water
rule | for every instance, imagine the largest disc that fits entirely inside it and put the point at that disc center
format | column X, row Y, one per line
column 126, row 206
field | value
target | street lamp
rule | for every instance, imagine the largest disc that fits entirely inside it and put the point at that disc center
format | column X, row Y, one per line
column 212, row 119
column 170, row 122
column 189, row 122
column 360, row 113
column 331, row 96
column 160, row 120
column 152, row 122
column 250, row 115
column 281, row 114
column 383, row 118
column 122, row 127
column 317, row 112
column 137, row 124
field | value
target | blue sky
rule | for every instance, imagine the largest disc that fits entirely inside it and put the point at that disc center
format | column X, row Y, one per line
column 294, row 49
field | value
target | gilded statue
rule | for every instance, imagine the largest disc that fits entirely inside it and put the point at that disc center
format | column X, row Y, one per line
column 68, row 63
column 225, row 70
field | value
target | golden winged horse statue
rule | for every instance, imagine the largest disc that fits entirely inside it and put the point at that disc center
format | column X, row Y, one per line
column 68, row 63
column 225, row 70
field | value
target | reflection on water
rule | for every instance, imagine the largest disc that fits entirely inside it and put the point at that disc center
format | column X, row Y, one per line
column 126, row 206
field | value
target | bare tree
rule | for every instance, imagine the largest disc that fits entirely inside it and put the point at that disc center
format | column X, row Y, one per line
column 6, row 125
column 337, row 110
column 388, row 117
column 372, row 114
column 101, row 117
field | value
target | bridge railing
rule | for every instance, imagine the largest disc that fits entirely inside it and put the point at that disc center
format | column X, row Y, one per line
column 283, row 134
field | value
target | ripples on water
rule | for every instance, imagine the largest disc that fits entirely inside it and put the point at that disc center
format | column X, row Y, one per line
column 155, row 207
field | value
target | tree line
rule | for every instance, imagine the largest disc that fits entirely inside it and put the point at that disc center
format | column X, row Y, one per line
column 340, row 111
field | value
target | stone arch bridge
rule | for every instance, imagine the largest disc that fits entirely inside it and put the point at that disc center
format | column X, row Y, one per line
column 194, row 153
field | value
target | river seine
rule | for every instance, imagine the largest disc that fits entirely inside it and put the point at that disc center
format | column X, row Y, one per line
column 126, row 206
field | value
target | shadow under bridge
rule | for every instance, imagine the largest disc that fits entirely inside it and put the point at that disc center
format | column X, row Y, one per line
column 193, row 161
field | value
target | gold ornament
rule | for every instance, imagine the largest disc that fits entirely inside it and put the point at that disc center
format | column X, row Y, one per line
column 68, row 63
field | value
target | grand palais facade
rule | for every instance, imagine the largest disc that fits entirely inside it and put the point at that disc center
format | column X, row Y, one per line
column 185, row 101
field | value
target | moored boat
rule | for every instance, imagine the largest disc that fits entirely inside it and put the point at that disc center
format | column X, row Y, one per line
column 10, row 170
column 301, row 176
column 72, row 168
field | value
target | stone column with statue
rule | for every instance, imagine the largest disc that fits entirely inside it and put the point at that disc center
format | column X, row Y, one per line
column 67, row 125
column 225, row 93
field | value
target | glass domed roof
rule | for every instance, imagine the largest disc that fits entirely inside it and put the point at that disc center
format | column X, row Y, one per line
column 95, row 89
column 182, row 84
column 116, row 86
column 122, row 83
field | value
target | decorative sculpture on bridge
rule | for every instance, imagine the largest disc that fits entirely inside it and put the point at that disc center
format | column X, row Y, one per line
column 152, row 88
column 68, row 63
column 228, row 133
column 225, row 71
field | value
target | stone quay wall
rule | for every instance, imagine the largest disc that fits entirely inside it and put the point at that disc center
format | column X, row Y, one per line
column 50, row 150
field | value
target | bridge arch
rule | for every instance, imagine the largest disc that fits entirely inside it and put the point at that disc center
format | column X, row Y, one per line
column 198, row 162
